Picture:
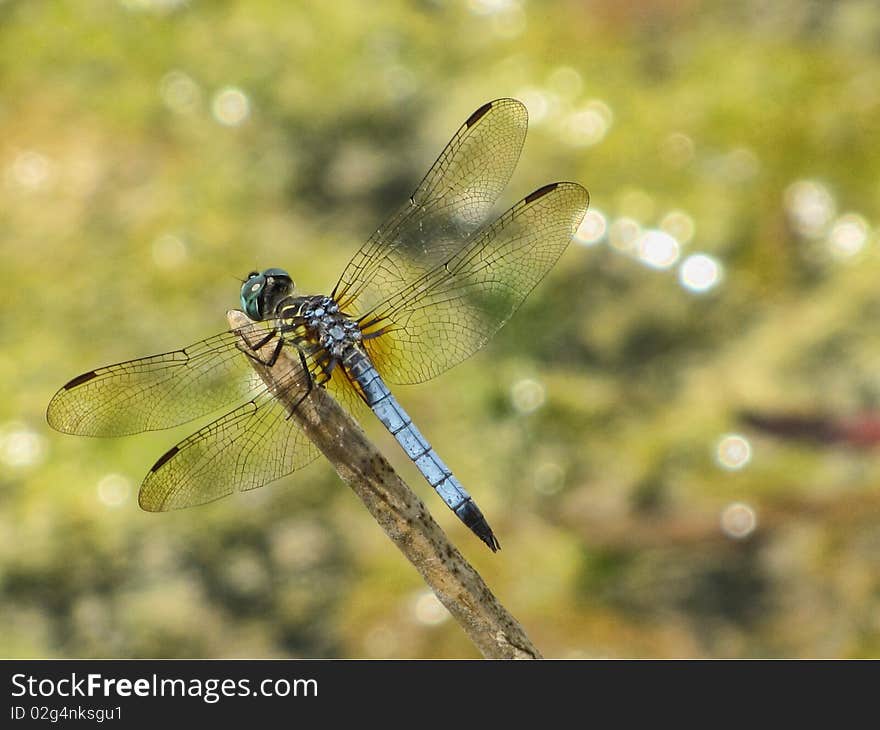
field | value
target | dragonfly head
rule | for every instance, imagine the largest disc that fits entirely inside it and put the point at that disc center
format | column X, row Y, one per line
column 263, row 290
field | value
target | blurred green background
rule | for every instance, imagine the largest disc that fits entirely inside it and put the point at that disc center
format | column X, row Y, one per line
column 673, row 437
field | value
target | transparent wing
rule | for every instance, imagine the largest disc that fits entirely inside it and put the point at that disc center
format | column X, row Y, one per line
column 250, row 446
column 347, row 395
column 451, row 311
column 451, row 202
column 155, row 392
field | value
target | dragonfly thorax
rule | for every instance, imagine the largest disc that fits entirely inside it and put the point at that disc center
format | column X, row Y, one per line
column 318, row 320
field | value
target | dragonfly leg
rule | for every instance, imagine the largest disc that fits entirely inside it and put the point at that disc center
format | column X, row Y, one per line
column 327, row 369
column 325, row 362
column 273, row 358
column 305, row 364
column 309, row 378
column 269, row 335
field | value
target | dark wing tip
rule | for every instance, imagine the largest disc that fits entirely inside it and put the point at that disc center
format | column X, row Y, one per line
column 79, row 380
column 147, row 499
column 478, row 114
column 164, row 459
column 550, row 187
column 509, row 102
column 57, row 411
column 576, row 193
column 540, row 192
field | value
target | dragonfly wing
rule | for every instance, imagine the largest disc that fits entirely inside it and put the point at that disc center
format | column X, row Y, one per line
column 156, row 392
column 449, row 313
column 451, row 202
column 250, row 446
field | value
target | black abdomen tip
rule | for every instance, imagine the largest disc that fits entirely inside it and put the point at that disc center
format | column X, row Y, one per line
column 470, row 514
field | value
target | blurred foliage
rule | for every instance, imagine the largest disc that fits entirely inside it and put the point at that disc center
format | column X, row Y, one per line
column 154, row 151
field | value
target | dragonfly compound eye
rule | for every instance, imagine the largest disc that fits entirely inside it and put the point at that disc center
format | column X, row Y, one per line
column 278, row 274
column 262, row 292
column 252, row 295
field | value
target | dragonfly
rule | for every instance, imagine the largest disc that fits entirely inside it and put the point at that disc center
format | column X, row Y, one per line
column 426, row 291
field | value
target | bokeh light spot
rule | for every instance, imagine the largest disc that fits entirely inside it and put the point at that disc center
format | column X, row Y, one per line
column 488, row 7
column 624, row 234
column 679, row 225
column 527, row 395
column 738, row 520
column 30, row 171
column 244, row 571
column 636, row 203
column 848, row 235
column 230, row 107
column 588, row 125
column 733, row 451
column 677, row 150
column 428, row 610
column 592, row 229
column 538, row 103
column 21, row 446
column 810, row 207
column 510, row 22
column 549, row 478
column 566, row 81
column 700, row 273
column 380, row 642
column 179, row 92
column 300, row 543
column 169, row 251
column 741, row 164
column 658, row 249
column 113, row 490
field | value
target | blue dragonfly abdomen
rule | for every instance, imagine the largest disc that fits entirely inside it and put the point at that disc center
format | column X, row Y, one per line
column 392, row 415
